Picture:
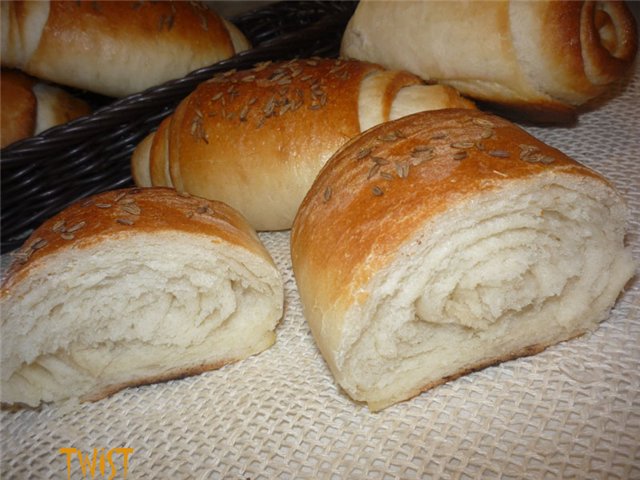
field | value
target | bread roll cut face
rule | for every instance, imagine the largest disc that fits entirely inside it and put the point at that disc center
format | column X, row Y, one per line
column 133, row 287
column 447, row 241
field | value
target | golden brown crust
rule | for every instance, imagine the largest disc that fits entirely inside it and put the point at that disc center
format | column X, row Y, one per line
column 64, row 106
column 245, row 106
column 19, row 107
column 30, row 106
column 586, row 46
column 141, row 227
column 158, row 156
column 118, row 48
column 537, row 60
column 399, row 81
column 129, row 212
column 175, row 21
column 246, row 137
column 563, row 20
column 358, row 208
column 609, row 36
column 388, row 195
column 256, row 139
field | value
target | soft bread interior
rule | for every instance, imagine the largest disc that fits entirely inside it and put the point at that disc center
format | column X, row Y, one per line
column 503, row 274
column 371, row 98
column 373, row 109
column 239, row 41
column 418, row 98
column 135, row 310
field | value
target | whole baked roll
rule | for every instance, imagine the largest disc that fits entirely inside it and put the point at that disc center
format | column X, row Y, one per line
column 114, row 48
column 256, row 139
column 540, row 59
column 447, row 241
column 131, row 287
column 30, row 106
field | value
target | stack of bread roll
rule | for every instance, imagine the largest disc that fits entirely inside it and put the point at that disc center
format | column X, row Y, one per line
column 428, row 238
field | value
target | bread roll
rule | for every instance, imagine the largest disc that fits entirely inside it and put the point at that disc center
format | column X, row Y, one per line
column 132, row 287
column 114, row 48
column 30, row 107
column 540, row 59
column 256, row 139
column 448, row 241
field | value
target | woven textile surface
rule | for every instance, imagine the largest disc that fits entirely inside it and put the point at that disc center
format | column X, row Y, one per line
column 572, row 411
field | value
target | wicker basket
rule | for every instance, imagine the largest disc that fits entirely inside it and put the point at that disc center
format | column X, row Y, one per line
column 42, row 175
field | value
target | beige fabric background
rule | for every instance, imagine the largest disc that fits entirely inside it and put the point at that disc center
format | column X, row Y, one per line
column 572, row 411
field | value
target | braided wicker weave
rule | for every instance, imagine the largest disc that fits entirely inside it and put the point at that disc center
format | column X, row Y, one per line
column 42, row 175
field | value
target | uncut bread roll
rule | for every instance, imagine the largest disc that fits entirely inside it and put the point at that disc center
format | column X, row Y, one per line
column 131, row 287
column 256, row 139
column 30, row 106
column 448, row 241
column 114, row 48
column 538, row 59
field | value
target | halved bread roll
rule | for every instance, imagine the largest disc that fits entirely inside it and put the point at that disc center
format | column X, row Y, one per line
column 256, row 139
column 132, row 287
column 447, row 241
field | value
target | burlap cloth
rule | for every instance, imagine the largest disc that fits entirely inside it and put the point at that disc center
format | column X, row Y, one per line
column 572, row 411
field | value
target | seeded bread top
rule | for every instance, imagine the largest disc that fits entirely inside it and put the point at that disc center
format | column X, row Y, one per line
column 380, row 187
column 130, row 212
